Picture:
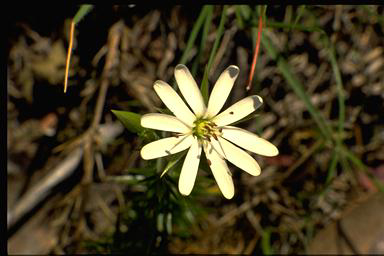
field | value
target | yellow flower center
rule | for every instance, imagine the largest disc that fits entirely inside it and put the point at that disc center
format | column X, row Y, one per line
column 205, row 129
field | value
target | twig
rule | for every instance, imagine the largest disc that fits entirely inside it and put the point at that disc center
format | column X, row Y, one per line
column 244, row 207
column 228, row 35
column 114, row 36
column 303, row 158
column 41, row 189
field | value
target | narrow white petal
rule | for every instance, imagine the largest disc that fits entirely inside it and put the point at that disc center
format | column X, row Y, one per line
column 238, row 110
column 236, row 156
column 220, row 171
column 190, row 168
column 164, row 123
column 249, row 141
column 221, row 90
column 173, row 102
column 166, row 146
column 189, row 89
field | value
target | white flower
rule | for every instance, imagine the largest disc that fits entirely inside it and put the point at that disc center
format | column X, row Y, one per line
column 205, row 129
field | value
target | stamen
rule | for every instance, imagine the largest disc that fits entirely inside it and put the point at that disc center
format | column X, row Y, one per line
column 205, row 129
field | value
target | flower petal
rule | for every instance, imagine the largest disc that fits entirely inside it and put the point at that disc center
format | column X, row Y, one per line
column 173, row 102
column 236, row 156
column 221, row 90
column 190, row 168
column 164, row 123
column 189, row 89
column 166, row 146
column 249, row 141
column 238, row 110
column 220, row 171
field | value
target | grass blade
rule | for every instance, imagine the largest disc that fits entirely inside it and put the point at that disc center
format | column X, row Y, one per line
column 275, row 24
column 297, row 87
column 220, row 31
column 80, row 14
column 266, row 246
column 357, row 162
column 300, row 13
column 193, row 35
column 332, row 167
column 340, row 91
column 206, row 27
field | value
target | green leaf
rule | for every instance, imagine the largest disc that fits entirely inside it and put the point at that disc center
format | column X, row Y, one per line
column 130, row 120
column 173, row 161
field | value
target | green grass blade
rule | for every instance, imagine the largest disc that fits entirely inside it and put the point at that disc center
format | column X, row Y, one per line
column 193, row 35
column 275, row 24
column 297, row 87
column 356, row 161
column 266, row 246
column 80, row 14
column 245, row 11
column 173, row 161
column 220, row 31
column 332, row 167
column 239, row 18
column 206, row 27
column 265, row 14
column 300, row 13
column 340, row 91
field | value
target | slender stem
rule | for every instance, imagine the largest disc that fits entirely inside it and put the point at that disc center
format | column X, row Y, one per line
column 254, row 61
column 71, row 32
